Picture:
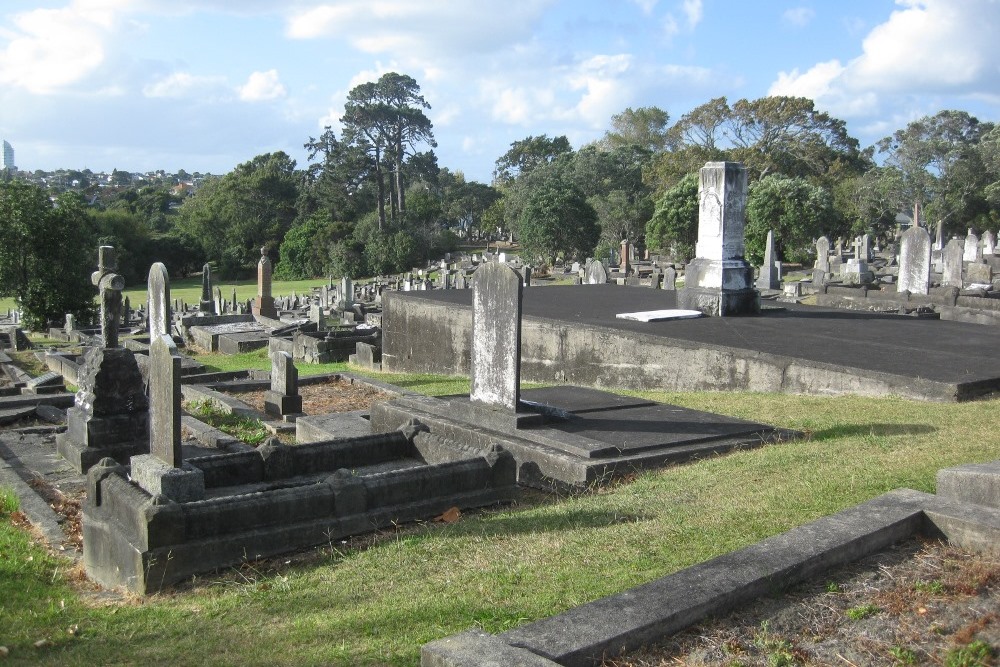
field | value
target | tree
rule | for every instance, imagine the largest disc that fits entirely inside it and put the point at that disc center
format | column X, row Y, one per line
column 47, row 254
column 674, row 226
column 644, row 127
column 941, row 165
column 527, row 155
column 232, row 217
column 795, row 209
column 557, row 220
column 386, row 120
column 612, row 182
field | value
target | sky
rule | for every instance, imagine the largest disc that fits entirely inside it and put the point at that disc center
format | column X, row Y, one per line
column 204, row 85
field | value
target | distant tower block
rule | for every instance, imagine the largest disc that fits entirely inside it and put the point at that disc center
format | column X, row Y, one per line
column 8, row 157
column 719, row 281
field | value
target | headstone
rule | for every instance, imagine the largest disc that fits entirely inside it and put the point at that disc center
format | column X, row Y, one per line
column 219, row 303
column 596, row 273
column 283, row 398
column 823, row 254
column 264, row 306
column 207, row 304
column 840, row 247
column 110, row 285
column 496, row 336
column 989, row 243
column 126, row 311
column 914, row 261
column 70, row 322
column 623, row 264
column 162, row 471
column 670, row 278
column 953, row 253
column 769, row 277
column 971, row 251
column 719, row 281
column 158, row 301
column 317, row 316
column 346, row 294
column 865, row 254
column 939, row 236
column 656, row 279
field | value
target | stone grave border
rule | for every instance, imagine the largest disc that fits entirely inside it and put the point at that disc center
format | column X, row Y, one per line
column 643, row 615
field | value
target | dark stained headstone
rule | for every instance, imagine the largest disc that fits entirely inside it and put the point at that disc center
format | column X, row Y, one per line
column 207, row 302
column 496, row 336
column 158, row 300
column 165, row 401
column 110, row 285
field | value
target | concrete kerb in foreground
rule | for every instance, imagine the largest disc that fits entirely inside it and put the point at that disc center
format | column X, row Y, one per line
column 643, row 615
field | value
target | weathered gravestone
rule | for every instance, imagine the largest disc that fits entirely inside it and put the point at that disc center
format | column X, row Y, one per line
column 283, row 397
column 162, row 472
column 207, row 304
column 670, row 278
column 719, row 281
column 496, row 337
column 971, row 251
column 596, row 273
column 110, row 285
column 822, row 259
column 158, row 301
column 939, row 236
column 264, row 305
column 953, row 253
column 914, row 261
column 989, row 243
column 769, row 277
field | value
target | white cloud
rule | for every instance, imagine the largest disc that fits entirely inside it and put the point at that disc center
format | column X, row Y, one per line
column 926, row 47
column 262, row 86
column 183, row 84
column 51, row 49
column 693, row 12
column 798, row 16
column 647, row 6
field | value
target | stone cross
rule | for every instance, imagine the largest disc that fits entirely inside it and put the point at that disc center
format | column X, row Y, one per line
column 158, row 301
column 207, row 303
column 165, row 401
column 111, row 285
column 496, row 336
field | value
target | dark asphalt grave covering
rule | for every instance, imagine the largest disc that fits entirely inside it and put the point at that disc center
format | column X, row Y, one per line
column 942, row 351
column 604, row 424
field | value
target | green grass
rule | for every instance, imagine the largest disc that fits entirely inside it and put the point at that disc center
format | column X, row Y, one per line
column 376, row 599
column 246, row 429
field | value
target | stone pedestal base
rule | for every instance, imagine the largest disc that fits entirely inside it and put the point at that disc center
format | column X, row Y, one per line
column 88, row 439
column 856, row 272
column 157, row 478
column 719, row 303
column 264, row 306
column 279, row 404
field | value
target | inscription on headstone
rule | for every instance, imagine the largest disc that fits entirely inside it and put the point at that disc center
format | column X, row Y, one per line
column 914, row 261
column 496, row 336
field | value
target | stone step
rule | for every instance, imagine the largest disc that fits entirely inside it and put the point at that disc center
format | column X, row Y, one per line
column 976, row 483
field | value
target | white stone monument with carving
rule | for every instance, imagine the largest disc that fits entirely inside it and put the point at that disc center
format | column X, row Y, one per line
column 719, row 281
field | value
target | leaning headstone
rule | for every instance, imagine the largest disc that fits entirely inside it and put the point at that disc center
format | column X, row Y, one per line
column 264, row 305
column 110, row 285
column 283, row 397
column 496, row 337
column 207, row 304
column 719, row 281
column 914, row 261
column 953, row 254
column 596, row 273
column 769, row 277
column 162, row 471
column 158, row 300
column 971, row 251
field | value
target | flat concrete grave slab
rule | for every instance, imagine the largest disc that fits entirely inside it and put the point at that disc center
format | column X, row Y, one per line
column 583, row 436
column 661, row 315
column 314, row 428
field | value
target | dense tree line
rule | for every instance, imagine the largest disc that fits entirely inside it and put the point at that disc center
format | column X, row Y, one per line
column 374, row 200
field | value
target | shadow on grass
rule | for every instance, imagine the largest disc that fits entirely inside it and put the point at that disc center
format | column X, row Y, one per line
column 848, row 430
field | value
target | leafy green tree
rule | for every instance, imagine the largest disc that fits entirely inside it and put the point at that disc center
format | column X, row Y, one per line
column 645, row 128
column 557, row 220
column 386, row 120
column 941, row 165
column 47, row 255
column 673, row 228
column 612, row 182
column 527, row 155
column 232, row 217
column 795, row 209
column 305, row 251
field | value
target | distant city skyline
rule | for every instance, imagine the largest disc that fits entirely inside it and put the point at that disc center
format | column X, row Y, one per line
column 203, row 85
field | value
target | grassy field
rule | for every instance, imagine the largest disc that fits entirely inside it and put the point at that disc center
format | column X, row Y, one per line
column 375, row 599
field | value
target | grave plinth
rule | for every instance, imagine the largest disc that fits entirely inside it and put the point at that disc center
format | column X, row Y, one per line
column 719, row 281
column 264, row 303
column 109, row 418
column 283, row 397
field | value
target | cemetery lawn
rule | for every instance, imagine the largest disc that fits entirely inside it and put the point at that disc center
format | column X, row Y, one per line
column 374, row 599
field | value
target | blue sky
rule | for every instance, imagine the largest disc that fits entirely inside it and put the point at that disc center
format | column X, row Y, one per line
column 206, row 84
